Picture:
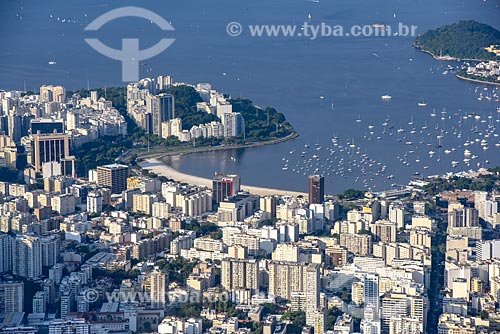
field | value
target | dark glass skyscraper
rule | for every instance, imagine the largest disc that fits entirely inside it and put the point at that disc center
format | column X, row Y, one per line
column 46, row 126
column 316, row 189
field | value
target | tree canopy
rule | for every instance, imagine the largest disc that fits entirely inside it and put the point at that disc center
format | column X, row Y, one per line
column 463, row 40
column 186, row 98
column 261, row 124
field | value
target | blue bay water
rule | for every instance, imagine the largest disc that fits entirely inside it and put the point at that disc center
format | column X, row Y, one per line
column 300, row 77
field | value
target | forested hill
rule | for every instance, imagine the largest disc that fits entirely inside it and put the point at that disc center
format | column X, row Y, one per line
column 462, row 40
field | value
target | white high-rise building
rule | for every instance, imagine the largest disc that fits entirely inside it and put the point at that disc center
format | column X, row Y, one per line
column 50, row 250
column 158, row 289
column 234, row 124
column 286, row 252
column 402, row 305
column 487, row 250
column 312, row 287
column 27, row 256
column 94, row 202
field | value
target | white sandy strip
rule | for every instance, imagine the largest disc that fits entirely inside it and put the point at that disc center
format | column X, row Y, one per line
column 159, row 168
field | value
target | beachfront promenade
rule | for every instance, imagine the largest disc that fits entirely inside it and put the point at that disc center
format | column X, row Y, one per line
column 158, row 167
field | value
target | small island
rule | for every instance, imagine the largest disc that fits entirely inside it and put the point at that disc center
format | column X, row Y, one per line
column 465, row 40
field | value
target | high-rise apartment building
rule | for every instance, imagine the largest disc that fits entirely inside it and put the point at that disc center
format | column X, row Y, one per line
column 52, row 94
column 371, row 294
column 359, row 244
column 268, row 205
column 466, row 217
column 11, row 297
column 401, row 305
column 5, row 253
column 162, row 108
column 158, row 281
column 234, row 124
column 316, row 189
column 240, row 274
column 113, row 176
column 27, row 256
column 225, row 186
column 50, row 250
column 312, row 287
column 164, row 82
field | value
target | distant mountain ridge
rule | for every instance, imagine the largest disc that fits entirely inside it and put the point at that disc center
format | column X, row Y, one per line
column 461, row 40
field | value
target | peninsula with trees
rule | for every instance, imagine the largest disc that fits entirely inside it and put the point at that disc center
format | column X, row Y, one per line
column 464, row 40
column 261, row 126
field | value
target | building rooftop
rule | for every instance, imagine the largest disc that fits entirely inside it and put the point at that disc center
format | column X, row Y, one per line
column 113, row 166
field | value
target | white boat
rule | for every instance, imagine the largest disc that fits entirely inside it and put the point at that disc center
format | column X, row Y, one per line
column 52, row 62
column 386, row 97
column 422, row 104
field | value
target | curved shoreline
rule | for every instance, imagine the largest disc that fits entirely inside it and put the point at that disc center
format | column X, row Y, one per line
column 204, row 149
column 477, row 81
column 160, row 168
column 449, row 58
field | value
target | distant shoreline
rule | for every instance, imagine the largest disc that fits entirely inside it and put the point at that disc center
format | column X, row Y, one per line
column 477, row 81
column 418, row 47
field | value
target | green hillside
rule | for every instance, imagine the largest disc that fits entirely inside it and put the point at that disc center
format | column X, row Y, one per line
column 462, row 40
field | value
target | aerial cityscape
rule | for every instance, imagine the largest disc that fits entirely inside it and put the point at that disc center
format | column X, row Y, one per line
column 308, row 167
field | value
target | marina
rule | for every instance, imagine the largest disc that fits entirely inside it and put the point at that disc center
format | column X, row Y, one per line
column 460, row 137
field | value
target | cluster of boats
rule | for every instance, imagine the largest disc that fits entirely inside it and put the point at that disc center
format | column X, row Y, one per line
column 440, row 139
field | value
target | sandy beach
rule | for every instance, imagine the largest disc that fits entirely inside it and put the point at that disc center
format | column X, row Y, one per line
column 159, row 168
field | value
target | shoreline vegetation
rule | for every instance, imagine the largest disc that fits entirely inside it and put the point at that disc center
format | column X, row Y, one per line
column 464, row 40
column 448, row 58
column 476, row 79
column 202, row 149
